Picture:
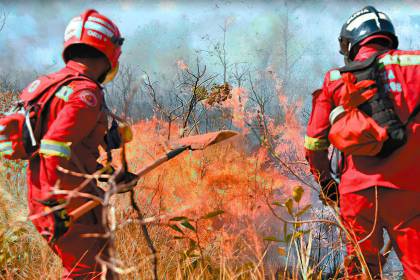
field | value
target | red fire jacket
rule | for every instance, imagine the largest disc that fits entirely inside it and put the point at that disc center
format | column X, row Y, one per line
column 74, row 126
column 400, row 170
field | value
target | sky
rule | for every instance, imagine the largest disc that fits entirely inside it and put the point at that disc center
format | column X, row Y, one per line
column 160, row 33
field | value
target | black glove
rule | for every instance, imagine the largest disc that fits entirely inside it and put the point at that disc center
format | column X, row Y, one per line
column 126, row 181
column 329, row 189
column 108, row 170
column 60, row 218
column 113, row 137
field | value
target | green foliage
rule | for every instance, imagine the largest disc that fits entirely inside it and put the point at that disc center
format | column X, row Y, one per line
column 212, row 214
column 297, row 193
column 193, row 256
column 292, row 207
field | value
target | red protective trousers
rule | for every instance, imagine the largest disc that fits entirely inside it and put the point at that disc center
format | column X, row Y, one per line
column 398, row 213
column 77, row 253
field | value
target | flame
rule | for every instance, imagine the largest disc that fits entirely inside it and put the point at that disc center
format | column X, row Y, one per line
column 237, row 104
column 226, row 176
column 181, row 64
column 230, row 176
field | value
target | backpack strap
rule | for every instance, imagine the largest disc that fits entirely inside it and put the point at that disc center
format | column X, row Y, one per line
column 31, row 96
column 413, row 115
column 54, row 87
column 355, row 66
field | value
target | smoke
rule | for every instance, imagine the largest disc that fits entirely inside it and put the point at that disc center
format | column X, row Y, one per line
column 160, row 33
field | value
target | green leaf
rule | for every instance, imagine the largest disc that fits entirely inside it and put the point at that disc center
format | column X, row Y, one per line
column 187, row 224
column 212, row 214
column 300, row 233
column 176, row 228
column 277, row 203
column 285, row 231
column 289, row 205
column 288, row 237
column 297, row 234
column 271, row 238
column 303, row 210
column 179, row 237
column 180, row 218
column 297, row 193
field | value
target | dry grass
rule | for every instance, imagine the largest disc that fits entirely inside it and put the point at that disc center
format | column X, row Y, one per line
column 227, row 246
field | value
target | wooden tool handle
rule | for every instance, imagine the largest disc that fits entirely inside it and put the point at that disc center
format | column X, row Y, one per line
column 88, row 206
column 83, row 209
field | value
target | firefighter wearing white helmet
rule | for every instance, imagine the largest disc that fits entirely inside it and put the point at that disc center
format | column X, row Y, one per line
column 97, row 31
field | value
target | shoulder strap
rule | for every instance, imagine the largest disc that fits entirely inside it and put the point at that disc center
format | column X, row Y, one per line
column 41, row 105
column 37, row 88
column 413, row 114
column 53, row 88
column 355, row 66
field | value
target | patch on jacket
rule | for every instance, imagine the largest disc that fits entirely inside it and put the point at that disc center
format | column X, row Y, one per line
column 33, row 86
column 88, row 98
column 64, row 93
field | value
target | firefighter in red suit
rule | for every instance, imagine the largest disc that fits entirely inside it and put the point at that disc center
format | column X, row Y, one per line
column 73, row 127
column 388, row 188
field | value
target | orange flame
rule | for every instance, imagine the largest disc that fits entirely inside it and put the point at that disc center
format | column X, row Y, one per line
column 181, row 64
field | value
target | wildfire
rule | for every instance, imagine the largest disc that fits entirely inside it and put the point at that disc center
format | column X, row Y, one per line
column 225, row 177
column 181, row 64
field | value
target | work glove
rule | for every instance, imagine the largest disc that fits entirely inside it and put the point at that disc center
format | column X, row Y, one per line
column 118, row 135
column 106, row 170
column 125, row 180
column 59, row 219
column 329, row 192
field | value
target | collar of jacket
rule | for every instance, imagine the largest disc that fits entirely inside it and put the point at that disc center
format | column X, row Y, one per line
column 367, row 51
column 77, row 67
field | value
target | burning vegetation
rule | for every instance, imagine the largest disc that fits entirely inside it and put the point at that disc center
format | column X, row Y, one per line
column 241, row 209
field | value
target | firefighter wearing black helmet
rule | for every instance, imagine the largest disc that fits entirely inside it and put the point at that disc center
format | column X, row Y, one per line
column 366, row 23
column 375, row 193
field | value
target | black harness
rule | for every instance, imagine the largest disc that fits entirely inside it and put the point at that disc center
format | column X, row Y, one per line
column 381, row 107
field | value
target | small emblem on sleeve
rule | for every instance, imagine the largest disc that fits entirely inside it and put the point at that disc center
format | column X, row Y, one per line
column 88, row 98
column 33, row 86
column 64, row 93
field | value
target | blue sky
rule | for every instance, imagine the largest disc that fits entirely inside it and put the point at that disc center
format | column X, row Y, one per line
column 160, row 32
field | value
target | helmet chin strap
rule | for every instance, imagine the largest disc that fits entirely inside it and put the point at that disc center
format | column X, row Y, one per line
column 347, row 61
column 102, row 77
column 110, row 75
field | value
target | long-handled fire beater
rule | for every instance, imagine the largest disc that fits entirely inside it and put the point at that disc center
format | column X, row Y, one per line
column 192, row 143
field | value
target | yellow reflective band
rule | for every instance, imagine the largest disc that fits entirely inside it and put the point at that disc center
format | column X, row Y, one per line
column 335, row 75
column 6, row 148
column 316, row 144
column 55, row 148
column 402, row 60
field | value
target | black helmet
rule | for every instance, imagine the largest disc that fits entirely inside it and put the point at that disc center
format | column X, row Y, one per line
column 362, row 24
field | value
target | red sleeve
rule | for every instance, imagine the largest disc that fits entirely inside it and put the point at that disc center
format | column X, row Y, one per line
column 74, row 122
column 316, row 139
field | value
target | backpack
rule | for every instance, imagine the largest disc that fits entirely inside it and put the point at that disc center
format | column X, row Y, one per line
column 21, row 127
column 367, row 125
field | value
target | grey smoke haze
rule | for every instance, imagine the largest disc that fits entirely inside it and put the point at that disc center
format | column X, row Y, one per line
column 158, row 33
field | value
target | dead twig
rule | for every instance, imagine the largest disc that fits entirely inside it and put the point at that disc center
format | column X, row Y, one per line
column 146, row 235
